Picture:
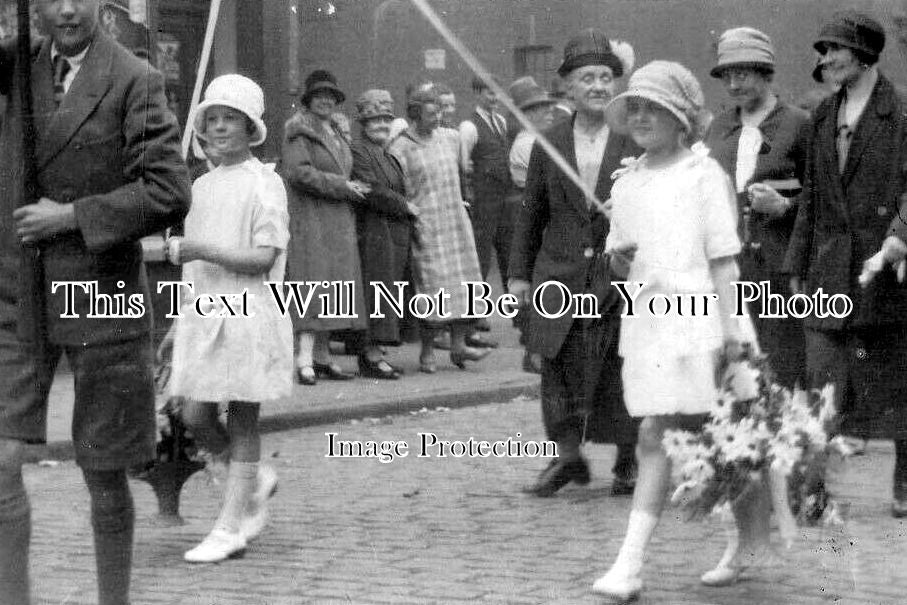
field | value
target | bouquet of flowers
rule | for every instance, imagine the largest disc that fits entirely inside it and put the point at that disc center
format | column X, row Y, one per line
column 756, row 431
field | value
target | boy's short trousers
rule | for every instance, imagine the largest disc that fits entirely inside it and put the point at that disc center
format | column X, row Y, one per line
column 113, row 416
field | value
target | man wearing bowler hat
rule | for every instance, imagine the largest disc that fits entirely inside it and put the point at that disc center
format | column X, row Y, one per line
column 559, row 237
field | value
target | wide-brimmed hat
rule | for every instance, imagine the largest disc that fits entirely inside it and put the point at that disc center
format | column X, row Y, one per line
column 526, row 93
column 590, row 47
column 321, row 80
column 238, row 92
column 374, row 103
column 744, row 47
column 670, row 85
column 854, row 30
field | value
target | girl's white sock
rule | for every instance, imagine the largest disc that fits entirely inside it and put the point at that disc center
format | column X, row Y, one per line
column 632, row 552
column 306, row 346
column 241, row 479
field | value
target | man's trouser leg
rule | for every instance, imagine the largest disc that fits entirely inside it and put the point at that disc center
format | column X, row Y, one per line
column 562, row 389
column 15, row 526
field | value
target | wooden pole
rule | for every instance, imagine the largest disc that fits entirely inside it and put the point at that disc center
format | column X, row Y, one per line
column 202, row 70
column 31, row 255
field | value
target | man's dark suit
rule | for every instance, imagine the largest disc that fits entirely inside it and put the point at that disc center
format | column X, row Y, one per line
column 556, row 238
column 112, row 150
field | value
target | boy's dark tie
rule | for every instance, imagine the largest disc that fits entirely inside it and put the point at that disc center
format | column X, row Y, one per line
column 61, row 69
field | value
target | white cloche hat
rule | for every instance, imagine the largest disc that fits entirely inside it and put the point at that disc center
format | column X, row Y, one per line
column 238, row 92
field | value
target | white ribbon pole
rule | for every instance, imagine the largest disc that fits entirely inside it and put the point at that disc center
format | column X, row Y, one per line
column 202, row 71
column 486, row 77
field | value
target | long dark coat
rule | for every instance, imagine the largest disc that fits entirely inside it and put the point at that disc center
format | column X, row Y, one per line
column 556, row 233
column 112, row 150
column 384, row 228
column 322, row 223
column 556, row 238
column 842, row 221
column 782, row 158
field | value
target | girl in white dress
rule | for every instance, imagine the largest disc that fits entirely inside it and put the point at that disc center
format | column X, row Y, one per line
column 673, row 227
column 236, row 351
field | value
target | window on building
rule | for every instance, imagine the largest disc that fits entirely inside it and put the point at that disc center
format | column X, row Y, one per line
column 535, row 60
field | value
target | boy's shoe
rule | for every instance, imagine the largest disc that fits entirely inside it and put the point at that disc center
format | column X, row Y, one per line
column 252, row 524
column 217, row 546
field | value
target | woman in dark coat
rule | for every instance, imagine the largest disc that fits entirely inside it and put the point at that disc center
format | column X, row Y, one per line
column 854, row 209
column 316, row 165
column 383, row 225
column 760, row 144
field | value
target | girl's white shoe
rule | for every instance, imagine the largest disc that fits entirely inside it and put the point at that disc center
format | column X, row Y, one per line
column 217, row 546
column 619, row 586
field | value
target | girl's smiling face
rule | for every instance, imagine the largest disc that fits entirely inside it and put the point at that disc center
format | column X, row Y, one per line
column 653, row 127
column 227, row 132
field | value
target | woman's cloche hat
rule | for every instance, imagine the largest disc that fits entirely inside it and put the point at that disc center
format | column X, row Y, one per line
column 744, row 47
column 526, row 93
column 374, row 103
column 321, row 80
column 670, row 85
column 240, row 93
column 854, row 30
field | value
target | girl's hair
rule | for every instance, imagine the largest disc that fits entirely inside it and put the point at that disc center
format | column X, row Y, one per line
column 700, row 122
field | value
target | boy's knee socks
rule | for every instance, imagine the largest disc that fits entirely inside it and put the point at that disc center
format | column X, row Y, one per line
column 113, row 522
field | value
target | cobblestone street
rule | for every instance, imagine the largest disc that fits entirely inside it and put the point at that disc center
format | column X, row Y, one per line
column 432, row 530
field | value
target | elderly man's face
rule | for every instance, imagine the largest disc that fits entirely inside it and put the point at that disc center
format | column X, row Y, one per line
column 591, row 87
column 71, row 23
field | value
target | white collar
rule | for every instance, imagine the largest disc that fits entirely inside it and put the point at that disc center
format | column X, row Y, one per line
column 487, row 115
column 74, row 61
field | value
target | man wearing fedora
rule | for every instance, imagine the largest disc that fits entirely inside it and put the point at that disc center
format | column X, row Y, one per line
column 559, row 236
column 854, row 209
column 109, row 172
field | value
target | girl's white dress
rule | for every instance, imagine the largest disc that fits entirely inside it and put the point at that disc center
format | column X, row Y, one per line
column 680, row 217
column 235, row 358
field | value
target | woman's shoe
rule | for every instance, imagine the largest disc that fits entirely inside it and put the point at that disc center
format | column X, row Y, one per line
column 306, row 376
column 481, row 342
column 735, row 562
column 377, row 369
column 427, row 365
column 331, row 371
column 218, row 546
column 619, row 587
column 461, row 356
